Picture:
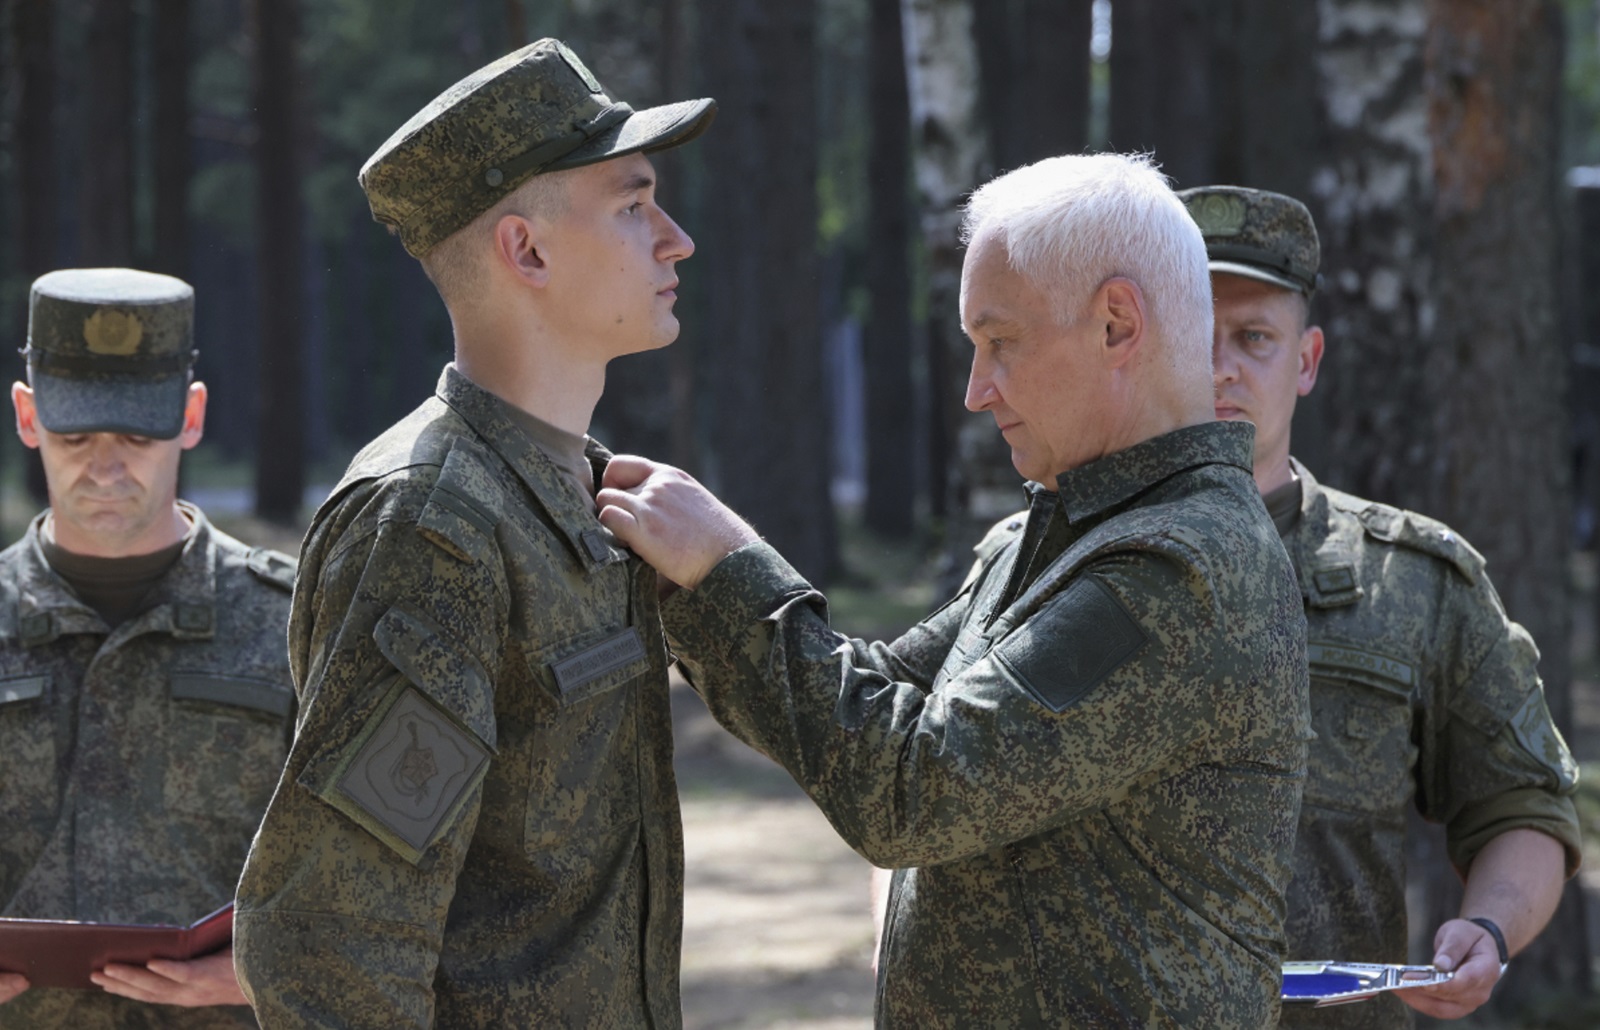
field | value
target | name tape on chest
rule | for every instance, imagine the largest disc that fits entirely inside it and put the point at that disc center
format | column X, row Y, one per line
column 1366, row 666
column 22, row 688
column 413, row 769
column 614, row 652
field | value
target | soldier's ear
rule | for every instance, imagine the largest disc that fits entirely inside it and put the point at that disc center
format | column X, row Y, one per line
column 1310, row 358
column 27, row 414
column 194, row 416
column 520, row 248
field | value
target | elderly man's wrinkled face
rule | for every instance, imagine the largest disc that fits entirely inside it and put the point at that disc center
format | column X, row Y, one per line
column 1042, row 381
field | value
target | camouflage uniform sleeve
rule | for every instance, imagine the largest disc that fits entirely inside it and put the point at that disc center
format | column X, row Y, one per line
column 1493, row 760
column 342, row 905
column 1108, row 682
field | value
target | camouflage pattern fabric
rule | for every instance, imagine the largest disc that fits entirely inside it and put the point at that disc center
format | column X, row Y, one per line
column 478, row 824
column 535, row 110
column 1087, row 766
column 1257, row 233
column 135, row 763
column 1421, row 690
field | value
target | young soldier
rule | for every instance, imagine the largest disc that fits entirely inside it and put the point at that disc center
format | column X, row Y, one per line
column 478, row 823
column 144, row 689
column 1087, row 766
column 1422, row 689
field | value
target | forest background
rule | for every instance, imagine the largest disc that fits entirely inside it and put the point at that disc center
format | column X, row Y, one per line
column 1446, row 148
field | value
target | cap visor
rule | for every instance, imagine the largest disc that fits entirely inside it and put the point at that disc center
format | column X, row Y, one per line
column 137, row 407
column 654, row 128
column 1261, row 274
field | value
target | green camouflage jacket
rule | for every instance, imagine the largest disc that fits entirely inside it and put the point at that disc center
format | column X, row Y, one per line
column 478, row 823
column 1421, row 690
column 135, row 763
column 1087, row 766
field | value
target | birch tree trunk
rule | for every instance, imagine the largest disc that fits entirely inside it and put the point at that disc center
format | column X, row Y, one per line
column 971, row 480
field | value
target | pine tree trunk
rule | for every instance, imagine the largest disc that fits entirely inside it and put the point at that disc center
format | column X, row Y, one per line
column 170, row 68
column 890, row 411
column 759, row 262
column 105, row 201
column 33, row 36
column 1498, row 469
column 1034, row 58
column 1444, row 379
column 280, row 446
column 1161, row 84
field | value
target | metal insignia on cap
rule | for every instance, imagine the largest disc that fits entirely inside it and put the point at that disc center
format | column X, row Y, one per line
column 112, row 332
column 1218, row 214
column 494, row 177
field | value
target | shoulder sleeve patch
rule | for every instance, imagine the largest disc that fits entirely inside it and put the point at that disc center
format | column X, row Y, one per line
column 1074, row 642
column 271, row 566
column 409, row 773
column 461, row 513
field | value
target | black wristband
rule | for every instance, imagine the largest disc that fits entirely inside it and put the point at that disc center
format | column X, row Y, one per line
column 1499, row 938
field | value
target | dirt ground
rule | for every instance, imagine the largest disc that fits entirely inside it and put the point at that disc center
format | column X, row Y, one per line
column 776, row 926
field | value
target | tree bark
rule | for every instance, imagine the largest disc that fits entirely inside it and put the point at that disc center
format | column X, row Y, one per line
column 1498, row 468
column 890, row 409
column 1444, row 368
column 1161, row 84
column 280, row 442
column 971, row 480
column 105, row 201
column 33, row 37
column 172, row 159
column 771, row 437
column 1034, row 59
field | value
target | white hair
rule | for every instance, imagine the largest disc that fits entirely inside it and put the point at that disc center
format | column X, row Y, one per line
column 1070, row 223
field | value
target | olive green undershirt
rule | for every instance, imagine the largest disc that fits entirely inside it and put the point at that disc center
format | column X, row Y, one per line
column 1283, row 504
column 564, row 449
column 114, row 587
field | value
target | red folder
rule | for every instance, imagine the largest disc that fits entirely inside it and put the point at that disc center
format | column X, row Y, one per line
column 62, row 953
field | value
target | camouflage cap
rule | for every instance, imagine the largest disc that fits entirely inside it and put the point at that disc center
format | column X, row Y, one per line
column 1254, row 233
column 110, row 351
column 536, row 110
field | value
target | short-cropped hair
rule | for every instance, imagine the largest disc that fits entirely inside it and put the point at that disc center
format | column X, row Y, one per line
column 1070, row 223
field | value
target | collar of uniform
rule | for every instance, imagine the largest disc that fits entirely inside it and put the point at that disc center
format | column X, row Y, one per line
column 1108, row 482
column 573, row 515
column 185, row 603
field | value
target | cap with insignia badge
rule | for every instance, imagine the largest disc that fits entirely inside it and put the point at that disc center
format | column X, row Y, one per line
column 535, row 110
column 1257, row 234
column 110, row 350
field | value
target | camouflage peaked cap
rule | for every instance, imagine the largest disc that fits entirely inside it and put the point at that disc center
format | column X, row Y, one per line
column 110, row 350
column 536, row 110
column 1254, row 233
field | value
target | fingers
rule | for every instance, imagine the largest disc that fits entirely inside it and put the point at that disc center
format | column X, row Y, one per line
column 134, row 982
column 616, row 514
column 11, row 985
column 1469, row 951
column 626, row 471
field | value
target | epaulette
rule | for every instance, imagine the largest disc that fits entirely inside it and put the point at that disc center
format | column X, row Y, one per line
column 461, row 512
column 1000, row 534
column 1420, row 533
column 272, row 567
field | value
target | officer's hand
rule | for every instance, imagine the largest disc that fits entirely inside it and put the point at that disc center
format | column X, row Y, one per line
column 11, row 985
column 202, row 981
column 1470, row 951
column 669, row 519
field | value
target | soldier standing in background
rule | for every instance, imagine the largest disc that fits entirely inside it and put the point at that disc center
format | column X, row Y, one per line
column 144, row 690
column 1422, row 689
column 1087, row 766
column 479, row 824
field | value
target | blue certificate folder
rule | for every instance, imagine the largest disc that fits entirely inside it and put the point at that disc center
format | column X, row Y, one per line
column 1320, row 984
column 62, row 953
